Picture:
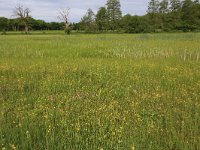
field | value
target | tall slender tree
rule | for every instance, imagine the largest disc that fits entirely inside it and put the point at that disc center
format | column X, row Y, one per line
column 102, row 19
column 175, row 21
column 153, row 14
column 114, row 13
column 163, row 14
column 88, row 21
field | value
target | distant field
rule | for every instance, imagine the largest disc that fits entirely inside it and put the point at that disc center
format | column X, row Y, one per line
column 100, row 92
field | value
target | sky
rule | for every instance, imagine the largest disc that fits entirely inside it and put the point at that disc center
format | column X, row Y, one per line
column 48, row 9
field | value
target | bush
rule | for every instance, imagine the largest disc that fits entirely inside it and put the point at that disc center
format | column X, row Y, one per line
column 68, row 30
column 3, row 32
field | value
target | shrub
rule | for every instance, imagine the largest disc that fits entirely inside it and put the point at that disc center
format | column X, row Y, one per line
column 68, row 30
column 3, row 32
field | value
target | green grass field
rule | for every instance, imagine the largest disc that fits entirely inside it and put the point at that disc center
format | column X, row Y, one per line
column 100, row 92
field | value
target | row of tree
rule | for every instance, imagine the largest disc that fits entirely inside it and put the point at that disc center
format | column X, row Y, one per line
column 174, row 15
column 162, row 16
column 33, row 24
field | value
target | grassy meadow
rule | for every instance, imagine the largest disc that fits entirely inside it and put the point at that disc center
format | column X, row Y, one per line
column 100, row 92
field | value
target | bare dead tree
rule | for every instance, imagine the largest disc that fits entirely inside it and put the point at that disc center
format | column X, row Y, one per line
column 64, row 17
column 23, row 13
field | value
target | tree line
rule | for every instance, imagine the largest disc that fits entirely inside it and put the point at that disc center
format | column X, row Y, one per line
column 161, row 16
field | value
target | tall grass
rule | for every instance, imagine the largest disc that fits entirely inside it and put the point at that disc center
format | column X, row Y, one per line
column 100, row 92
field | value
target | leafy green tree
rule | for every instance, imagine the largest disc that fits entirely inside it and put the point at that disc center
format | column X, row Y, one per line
column 3, row 24
column 175, row 5
column 88, row 21
column 135, row 24
column 102, row 19
column 197, row 8
column 114, row 14
column 127, row 23
column 163, row 13
column 154, row 15
column 174, row 21
column 37, row 24
column 153, row 7
column 190, row 15
column 79, row 26
column 55, row 26
column 15, row 24
column 164, row 6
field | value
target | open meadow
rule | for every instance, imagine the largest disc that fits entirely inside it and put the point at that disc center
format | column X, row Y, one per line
column 100, row 92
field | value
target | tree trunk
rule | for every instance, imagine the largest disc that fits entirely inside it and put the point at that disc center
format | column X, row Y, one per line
column 26, row 27
column 66, row 26
column 67, row 29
